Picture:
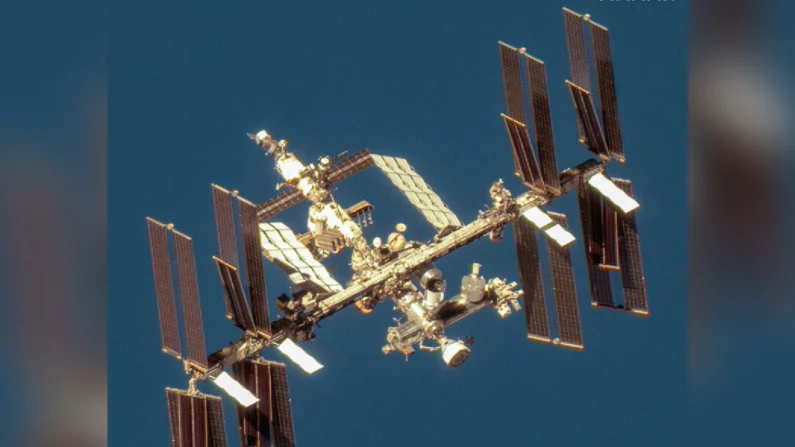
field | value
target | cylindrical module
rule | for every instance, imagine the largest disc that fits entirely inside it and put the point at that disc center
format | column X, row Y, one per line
column 473, row 288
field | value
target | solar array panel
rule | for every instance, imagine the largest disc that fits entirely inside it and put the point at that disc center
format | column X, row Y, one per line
column 541, row 173
column 610, row 240
column 349, row 166
column 283, row 433
column 288, row 198
column 283, row 248
column 564, row 291
column 512, row 82
column 530, row 276
column 575, row 43
column 632, row 279
column 527, row 168
column 196, row 420
column 268, row 423
column 164, row 288
column 248, row 313
column 402, row 175
column 542, row 123
column 255, row 273
column 605, row 80
column 592, row 229
column 578, row 56
column 225, row 228
column 586, row 111
column 189, row 295
column 255, row 421
column 230, row 278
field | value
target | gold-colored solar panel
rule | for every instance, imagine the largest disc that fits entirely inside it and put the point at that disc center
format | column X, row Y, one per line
column 282, row 247
column 402, row 175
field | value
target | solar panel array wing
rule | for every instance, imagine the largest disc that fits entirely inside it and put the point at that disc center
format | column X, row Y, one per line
column 512, row 82
column 225, row 227
column 402, row 175
column 605, row 80
column 530, row 276
column 564, row 291
column 230, row 278
column 164, row 287
column 594, row 137
column 527, row 168
column 283, row 248
column 196, row 420
column 283, row 433
column 255, row 421
column 189, row 295
column 255, row 273
column 542, row 122
column 599, row 280
column 270, row 209
column 350, row 166
column 633, row 281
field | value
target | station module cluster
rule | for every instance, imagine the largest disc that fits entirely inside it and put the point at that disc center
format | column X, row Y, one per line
column 398, row 270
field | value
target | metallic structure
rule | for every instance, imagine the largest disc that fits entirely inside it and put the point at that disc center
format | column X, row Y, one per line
column 399, row 270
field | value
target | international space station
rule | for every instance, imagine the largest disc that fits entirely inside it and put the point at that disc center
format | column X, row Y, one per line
column 396, row 270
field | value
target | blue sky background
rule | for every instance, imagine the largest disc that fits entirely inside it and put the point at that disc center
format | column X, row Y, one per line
column 419, row 80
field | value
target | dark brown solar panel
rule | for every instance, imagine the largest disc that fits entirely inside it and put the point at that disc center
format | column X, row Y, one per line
column 230, row 278
column 225, row 225
column 172, row 401
column 255, row 273
column 599, row 280
column 225, row 228
column 255, row 421
column 185, row 411
column 575, row 42
column 283, row 433
column 512, row 82
column 594, row 137
column 196, row 420
column 270, row 209
column 164, row 287
column 189, row 295
column 523, row 154
column 535, row 307
column 596, row 233
column 610, row 237
column 564, row 291
column 542, row 123
column 350, row 166
column 216, row 433
column 632, row 278
column 605, row 80
column 199, row 415
column 578, row 58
